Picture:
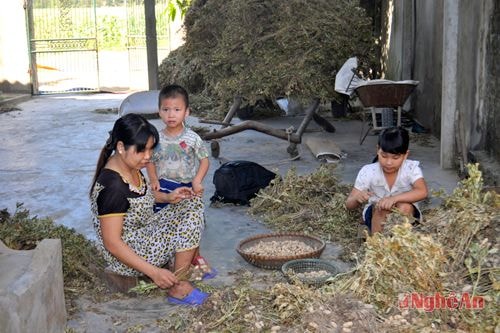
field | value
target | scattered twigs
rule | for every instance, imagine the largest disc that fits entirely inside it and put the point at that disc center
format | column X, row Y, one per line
column 229, row 313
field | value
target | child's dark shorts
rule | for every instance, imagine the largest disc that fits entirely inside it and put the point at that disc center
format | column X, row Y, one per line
column 367, row 217
column 167, row 186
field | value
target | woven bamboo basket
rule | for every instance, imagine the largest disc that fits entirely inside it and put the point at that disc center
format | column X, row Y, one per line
column 275, row 262
column 291, row 268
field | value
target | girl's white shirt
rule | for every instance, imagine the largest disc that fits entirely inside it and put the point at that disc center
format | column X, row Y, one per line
column 371, row 178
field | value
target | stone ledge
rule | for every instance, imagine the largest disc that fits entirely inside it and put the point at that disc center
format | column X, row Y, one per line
column 32, row 294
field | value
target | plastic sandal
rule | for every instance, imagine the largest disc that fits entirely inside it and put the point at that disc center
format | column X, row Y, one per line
column 209, row 275
column 194, row 298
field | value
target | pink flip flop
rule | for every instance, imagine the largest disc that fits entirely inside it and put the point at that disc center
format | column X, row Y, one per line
column 194, row 298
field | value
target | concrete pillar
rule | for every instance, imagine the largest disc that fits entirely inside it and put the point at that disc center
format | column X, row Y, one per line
column 31, row 289
column 449, row 83
column 408, row 40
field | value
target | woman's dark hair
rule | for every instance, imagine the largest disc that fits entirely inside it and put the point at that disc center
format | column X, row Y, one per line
column 394, row 140
column 131, row 129
column 172, row 91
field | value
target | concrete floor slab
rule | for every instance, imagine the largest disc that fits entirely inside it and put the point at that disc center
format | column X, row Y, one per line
column 49, row 149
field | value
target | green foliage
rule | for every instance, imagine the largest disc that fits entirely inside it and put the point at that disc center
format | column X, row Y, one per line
column 111, row 32
column 177, row 5
column 264, row 49
column 80, row 257
column 112, row 25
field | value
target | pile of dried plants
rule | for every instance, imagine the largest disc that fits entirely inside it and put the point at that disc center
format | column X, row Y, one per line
column 453, row 251
column 396, row 263
column 313, row 203
column 262, row 49
column 81, row 261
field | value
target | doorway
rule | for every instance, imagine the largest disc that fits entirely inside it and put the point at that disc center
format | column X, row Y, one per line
column 91, row 45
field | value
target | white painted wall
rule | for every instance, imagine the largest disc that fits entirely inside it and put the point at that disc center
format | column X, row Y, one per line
column 14, row 60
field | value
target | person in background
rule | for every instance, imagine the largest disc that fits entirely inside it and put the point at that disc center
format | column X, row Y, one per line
column 134, row 240
column 391, row 182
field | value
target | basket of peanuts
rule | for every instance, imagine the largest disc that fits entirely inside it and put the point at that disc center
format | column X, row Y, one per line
column 271, row 251
column 314, row 272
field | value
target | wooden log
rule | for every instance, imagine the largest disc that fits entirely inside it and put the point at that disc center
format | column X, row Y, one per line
column 311, row 110
column 232, row 111
column 293, row 138
column 309, row 114
column 252, row 125
column 215, row 122
column 325, row 124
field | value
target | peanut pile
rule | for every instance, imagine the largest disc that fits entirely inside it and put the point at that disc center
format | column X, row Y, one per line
column 313, row 275
column 279, row 248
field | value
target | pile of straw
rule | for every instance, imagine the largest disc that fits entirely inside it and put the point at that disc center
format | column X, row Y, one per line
column 468, row 215
column 401, row 262
column 455, row 250
column 262, row 50
column 313, row 203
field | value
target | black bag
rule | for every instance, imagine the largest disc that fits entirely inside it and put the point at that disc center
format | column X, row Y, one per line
column 239, row 181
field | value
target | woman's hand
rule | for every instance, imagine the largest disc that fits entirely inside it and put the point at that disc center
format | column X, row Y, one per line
column 163, row 278
column 180, row 194
column 176, row 196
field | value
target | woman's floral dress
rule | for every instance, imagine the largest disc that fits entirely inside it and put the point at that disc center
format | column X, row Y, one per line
column 154, row 236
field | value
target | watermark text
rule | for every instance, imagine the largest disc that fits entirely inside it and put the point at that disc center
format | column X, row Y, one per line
column 438, row 301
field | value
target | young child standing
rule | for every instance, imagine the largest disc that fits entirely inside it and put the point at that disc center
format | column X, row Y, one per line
column 393, row 181
column 181, row 158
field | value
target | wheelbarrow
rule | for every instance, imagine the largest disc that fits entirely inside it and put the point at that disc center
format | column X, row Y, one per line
column 382, row 97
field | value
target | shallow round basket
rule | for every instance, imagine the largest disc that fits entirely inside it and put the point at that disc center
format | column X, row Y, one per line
column 291, row 268
column 275, row 262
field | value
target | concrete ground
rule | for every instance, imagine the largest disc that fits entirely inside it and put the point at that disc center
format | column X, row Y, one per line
column 50, row 146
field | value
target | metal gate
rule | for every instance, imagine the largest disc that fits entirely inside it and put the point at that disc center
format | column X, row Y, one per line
column 136, row 40
column 62, row 45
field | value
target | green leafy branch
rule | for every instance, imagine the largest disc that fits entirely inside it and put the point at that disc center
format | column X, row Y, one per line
column 177, row 5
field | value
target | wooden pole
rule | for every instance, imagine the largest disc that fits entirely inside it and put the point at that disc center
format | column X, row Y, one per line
column 292, row 148
column 309, row 114
column 229, row 116
column 151, row 44
column 252, row 125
